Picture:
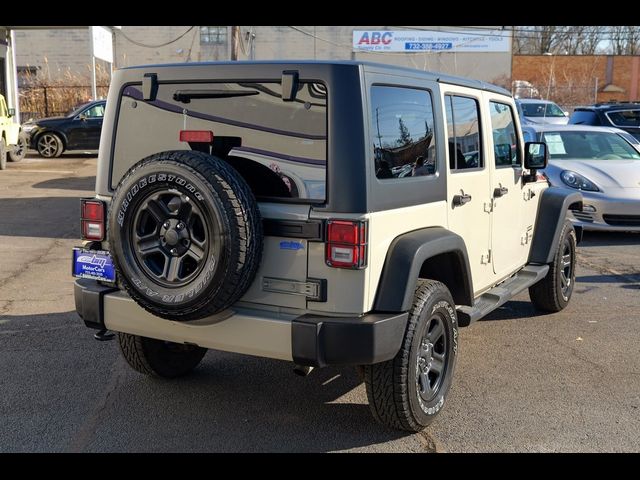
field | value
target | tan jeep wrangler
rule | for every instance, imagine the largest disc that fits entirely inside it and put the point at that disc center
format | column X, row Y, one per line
column 322, row 213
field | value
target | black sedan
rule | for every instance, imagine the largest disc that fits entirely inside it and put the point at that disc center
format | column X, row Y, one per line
column 79, row 130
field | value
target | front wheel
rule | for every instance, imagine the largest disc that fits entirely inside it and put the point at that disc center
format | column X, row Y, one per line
column 49, row 145
column 20, row 149
column 553, row 292
column 408, row 391
column 159, row 358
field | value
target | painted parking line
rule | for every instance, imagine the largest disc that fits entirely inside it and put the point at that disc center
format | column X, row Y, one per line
column 68, row 172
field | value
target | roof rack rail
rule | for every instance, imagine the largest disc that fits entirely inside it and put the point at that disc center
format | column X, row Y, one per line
column 617, row 102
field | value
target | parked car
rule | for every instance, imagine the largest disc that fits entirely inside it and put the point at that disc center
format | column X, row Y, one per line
column 12, row 139
column 207, row 246
column 603, row 163
column 534, row 111
column 621, row 115
column 78, row 130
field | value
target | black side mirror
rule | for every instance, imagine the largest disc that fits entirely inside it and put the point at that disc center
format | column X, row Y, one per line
column 12, row 112
column 536, row 156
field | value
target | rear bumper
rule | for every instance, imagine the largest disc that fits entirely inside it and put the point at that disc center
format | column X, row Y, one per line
column 307, row 340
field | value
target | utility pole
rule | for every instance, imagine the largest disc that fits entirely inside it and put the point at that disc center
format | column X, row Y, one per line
column 235, row 42
column 378, row 125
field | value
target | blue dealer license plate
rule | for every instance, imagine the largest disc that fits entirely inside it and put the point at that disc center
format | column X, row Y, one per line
column 94, row 264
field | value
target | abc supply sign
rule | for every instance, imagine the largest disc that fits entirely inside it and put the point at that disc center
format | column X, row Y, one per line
column 431, row 41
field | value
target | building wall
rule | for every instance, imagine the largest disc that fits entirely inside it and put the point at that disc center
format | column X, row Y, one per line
column 335, row 43
column 63, row 52
column 57, row 53
column 582, row 78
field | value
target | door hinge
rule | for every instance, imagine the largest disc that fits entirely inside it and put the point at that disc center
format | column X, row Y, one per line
column 528, row 194
column 528, row 235
column 488, row 207
column 486, row 259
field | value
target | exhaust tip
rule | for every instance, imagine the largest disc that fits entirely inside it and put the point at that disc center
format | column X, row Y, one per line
column 104, row 336
column 302, row 370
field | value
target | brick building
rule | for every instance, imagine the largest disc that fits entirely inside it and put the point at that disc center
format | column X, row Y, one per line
column 571, row 80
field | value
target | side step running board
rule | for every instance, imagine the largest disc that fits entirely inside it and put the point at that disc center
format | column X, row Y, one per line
column 497, row 296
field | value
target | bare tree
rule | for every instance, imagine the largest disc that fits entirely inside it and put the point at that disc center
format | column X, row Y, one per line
column 580, row 39
column 625, row 39
column 536, row 40
column 591, row 39
column 568, row 40
column 618, row 39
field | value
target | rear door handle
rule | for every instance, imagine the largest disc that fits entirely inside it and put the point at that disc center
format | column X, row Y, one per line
column 459, row 200
column 499, row 192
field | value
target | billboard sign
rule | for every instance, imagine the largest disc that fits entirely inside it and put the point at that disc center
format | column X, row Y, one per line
column 102, row 40
column 416, row 41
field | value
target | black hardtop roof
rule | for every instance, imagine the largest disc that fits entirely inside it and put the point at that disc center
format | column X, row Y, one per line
column 437, row 76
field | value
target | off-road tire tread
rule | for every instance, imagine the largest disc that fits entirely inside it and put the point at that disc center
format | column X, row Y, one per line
column 386, row 382
column 134, row 352
column 544, row 294
column 15, row 158
column 248, row 237
column 3, row 154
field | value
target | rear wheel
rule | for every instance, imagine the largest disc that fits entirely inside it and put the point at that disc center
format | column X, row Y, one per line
column 3, row 154
column 159, row 358
column 408, row 391
column 20, row 149
column 49, row 145
column 553, row 292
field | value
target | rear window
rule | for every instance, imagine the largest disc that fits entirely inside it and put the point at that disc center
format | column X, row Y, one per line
column 279, row 147
column 584, row 117
column 625, row 118
column 541, row 110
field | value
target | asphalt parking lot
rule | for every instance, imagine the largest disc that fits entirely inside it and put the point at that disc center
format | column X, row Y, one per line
column 524, row 381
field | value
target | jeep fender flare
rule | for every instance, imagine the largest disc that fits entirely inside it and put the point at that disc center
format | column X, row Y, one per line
column 405, row 258
column 552, row 213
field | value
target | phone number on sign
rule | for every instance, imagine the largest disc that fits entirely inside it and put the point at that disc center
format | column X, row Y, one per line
column 428, row 46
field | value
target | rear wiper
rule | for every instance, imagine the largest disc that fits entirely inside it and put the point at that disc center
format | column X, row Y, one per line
column 185, row 96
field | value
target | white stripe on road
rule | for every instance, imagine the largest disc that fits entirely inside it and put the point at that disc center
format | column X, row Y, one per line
column 68, row 172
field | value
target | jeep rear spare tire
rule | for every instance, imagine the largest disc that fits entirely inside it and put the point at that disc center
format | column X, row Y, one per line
column 185, row 233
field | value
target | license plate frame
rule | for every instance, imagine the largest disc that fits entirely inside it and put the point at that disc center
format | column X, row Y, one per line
column 93, row 264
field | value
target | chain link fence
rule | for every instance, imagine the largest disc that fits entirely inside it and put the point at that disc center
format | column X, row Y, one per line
column 567, row 96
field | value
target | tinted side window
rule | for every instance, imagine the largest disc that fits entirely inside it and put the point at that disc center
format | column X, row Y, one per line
column 505, row 140
column 463, row 132
column 402, row 132
column 625, row 118
column 97, row 111
column 584, row 117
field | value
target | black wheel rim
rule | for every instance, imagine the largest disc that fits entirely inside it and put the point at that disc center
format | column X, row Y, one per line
column 47, row 145
column 566, row 271
column 432, row 359
column 170, row 238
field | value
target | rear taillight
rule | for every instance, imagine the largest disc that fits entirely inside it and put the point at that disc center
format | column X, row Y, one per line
column 346, row 244
column 92, row 219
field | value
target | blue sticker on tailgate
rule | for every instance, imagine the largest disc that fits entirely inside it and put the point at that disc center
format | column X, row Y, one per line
column 95, row 264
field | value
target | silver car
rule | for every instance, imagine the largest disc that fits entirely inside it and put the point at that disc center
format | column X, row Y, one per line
column 603, row 163
column 533, row 112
